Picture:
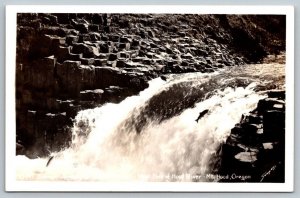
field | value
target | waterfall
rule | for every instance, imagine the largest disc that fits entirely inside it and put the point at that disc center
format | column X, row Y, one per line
column 153, row 136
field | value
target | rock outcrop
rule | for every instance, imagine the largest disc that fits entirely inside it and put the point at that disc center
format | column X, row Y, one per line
column 255, row 149
column 69, row 62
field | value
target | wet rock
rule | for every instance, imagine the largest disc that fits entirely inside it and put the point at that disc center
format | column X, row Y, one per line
column 280, row 94
column 255, row 146
column 269, row 104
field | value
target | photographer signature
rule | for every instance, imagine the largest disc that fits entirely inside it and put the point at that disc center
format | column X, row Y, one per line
column 268, row 173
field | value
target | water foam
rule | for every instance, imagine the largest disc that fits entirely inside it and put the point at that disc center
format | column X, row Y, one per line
column 177, row 149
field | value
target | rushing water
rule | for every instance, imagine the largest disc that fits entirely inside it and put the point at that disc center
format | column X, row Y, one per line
column 154, row 136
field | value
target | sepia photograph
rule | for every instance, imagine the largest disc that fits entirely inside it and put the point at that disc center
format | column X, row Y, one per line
column 148, row 97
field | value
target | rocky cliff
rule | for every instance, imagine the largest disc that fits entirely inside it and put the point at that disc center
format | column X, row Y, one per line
column 255, row 149
column 69, row 62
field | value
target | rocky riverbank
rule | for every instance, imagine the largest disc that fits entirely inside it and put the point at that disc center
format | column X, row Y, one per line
column 255, row 149
column 69, row 62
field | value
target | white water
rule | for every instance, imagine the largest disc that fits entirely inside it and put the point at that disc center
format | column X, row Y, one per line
column 174, row 149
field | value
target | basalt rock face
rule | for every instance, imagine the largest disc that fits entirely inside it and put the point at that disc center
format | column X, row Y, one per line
column 255, row 149
column 69, row 62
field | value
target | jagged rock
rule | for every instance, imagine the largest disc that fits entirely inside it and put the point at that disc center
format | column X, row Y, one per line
column 113, row 57
column 91, row 95
column 83, row 38
column 20, row 149
column 69, row 76
column 81, row 27
column 75, row 57
column 94, row 27
column 71, row 39
column 87, row 61
column 280, row 94
column 125, row 46
column 120, row 63
column 135, row 43
column 41, row 73
column 100, row 62
column 87, row 50
column 125, row 40
column 105, row 48
column 62, row 18
column 54, row 31
column 269, row 104
column 49, row 19
column 62, row 53
column 97, row 19
column 106, row 76
column 124, row 55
